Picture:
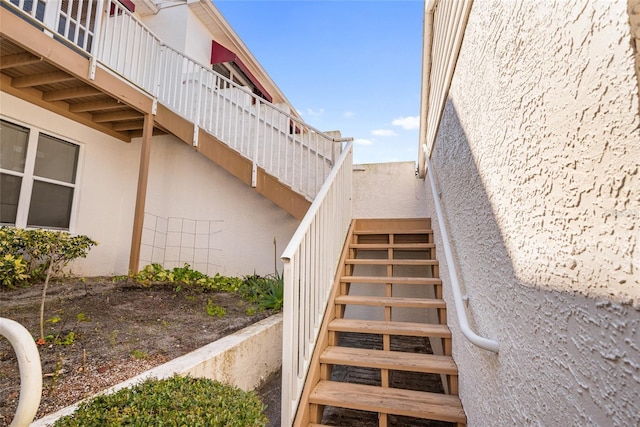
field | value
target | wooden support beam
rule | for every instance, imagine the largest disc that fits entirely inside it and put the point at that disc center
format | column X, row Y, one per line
column 21, row 33
column 122, row 126
column 35, row 96
column 85, row 107
column 117, row 116
column 41, row 79
column 71, row 93
column 141, row 195
column 18, row 60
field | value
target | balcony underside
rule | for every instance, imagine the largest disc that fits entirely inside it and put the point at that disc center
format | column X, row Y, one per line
column 55, row 75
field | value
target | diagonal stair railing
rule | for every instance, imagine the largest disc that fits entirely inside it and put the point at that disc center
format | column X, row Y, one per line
column 310, row 263
column 275, row 140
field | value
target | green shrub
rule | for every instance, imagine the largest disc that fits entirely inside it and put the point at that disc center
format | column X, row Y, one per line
column 33, row 250
column 273, row 298
column 185, row 276
column 267, row 291
column 13, row 271
column 176, row 401
column 214, row 310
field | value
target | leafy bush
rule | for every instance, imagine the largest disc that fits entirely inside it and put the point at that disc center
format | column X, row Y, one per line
column 267, row 291
column 186, row 276
column 28, row 253
column 214, row 310
column 273, row 299
column 13, row 271
column 176, row 401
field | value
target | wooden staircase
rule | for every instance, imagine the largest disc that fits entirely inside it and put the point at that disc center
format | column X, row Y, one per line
column 386, row 304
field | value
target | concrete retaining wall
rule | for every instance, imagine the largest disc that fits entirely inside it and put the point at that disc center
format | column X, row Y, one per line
column 244, row 359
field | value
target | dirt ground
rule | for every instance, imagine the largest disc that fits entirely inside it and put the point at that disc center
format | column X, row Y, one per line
column 103, row 332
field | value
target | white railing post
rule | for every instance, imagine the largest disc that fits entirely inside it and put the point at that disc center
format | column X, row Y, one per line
column 256, row 151
column 97, row 38
column 30, row 370
column 51, row 14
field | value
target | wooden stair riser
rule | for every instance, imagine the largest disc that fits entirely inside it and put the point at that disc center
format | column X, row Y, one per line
column 392, row 280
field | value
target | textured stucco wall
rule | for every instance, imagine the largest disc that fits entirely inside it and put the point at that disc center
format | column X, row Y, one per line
column 537, row 162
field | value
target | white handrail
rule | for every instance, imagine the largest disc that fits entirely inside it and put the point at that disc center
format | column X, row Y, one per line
column 30, row 370
column 476, row 339
column 310, row 262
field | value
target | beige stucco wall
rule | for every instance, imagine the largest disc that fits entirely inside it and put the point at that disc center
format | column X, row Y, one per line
column 170, row 26
column 537, row 161
column 215, row 215
column 106, row 179
column 387, row 190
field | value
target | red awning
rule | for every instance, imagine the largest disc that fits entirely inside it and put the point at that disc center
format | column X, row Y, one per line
column 220, row 54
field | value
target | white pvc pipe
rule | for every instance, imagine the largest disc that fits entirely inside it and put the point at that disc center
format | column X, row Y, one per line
column 476, row 339
column 30, row 370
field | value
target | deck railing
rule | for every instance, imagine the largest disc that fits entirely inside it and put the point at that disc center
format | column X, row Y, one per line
column 299, row 155
column 444, row 25
column 310, row 263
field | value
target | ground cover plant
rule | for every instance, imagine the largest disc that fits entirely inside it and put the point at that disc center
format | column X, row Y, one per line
column 176, row 401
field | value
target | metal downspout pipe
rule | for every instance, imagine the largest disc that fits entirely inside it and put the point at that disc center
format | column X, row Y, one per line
column 476, row 339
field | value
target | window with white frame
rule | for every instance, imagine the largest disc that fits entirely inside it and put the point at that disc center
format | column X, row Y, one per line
column 37, row 178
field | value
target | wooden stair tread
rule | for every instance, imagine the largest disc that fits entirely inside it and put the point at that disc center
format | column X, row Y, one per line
column 418, row 404
column 390, row 301
column 390, row 328
column 369, row 261
column 393, row 280
column 396, row 246
column 392, row 231
column 395, row 360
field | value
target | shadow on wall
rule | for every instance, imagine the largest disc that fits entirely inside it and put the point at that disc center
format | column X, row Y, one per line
column 563, row 357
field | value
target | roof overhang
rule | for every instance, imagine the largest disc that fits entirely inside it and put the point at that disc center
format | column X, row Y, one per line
column 222, row 32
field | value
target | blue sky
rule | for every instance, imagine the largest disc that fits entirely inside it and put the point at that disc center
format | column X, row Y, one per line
column 352, row 66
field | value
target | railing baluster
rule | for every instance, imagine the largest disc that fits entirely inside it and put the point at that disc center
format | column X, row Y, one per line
column 118, row 40
column 310, row 262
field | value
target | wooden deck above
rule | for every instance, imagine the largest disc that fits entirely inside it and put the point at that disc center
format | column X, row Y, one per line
column 54, row 74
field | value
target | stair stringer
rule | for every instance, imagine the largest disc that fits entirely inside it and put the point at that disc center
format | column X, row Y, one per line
column 233, row 162
column 313, row 376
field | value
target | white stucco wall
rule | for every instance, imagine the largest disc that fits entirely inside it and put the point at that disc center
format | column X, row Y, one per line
column 190, row 191
column 170, row 26
column 106, row 185
column 537, row 162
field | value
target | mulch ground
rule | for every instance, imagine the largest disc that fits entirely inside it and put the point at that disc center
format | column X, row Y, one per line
column 102, row 332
